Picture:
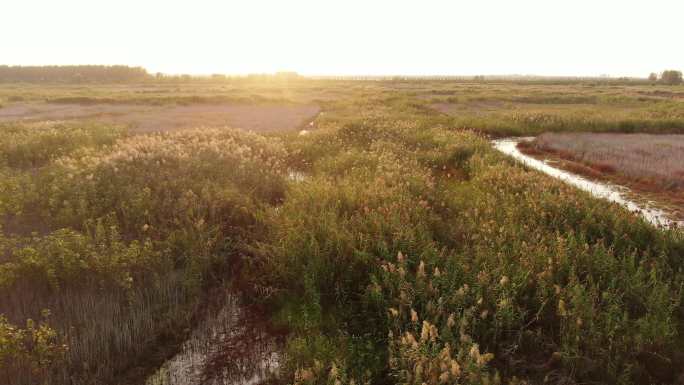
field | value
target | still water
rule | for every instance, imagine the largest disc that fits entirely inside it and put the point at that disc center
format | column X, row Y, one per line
column 228, row 347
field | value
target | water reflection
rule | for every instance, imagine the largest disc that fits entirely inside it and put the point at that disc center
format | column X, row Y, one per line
column 229, row 346
column 296, row 176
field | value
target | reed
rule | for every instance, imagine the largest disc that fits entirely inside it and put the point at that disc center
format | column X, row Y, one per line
column 411, row 252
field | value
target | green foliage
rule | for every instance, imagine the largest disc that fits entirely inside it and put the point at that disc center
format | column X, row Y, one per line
column 671, row 77
column 525, row 110
column 34, row 347
column 67, row 258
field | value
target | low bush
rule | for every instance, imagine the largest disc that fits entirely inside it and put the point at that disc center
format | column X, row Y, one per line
column 135, row 230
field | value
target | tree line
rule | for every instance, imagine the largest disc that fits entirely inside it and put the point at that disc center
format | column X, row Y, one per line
column 667, row 77
column 72, row 74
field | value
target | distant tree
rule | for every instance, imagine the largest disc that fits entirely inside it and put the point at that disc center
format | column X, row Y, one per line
column 653, row 77
column 671, row 77
column 72, row 74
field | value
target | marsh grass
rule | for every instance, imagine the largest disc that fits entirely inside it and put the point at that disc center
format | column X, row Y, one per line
column 415, row 253
column 106, row 331
column 137, row 230
column 411, row 253
column 525, row 110
column 34, row 145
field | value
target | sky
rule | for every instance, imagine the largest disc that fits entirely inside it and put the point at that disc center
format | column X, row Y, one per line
column 350, row 37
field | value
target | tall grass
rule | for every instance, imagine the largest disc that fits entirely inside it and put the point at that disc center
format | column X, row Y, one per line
column 136, row 229
column 411, row 253
column 526, row 110
column 416, row 255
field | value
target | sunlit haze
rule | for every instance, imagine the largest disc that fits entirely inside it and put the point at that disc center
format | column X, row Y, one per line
column 541, row 37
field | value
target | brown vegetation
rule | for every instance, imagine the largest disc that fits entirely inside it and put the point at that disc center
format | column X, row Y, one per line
column 141, row 118
column 652, row 164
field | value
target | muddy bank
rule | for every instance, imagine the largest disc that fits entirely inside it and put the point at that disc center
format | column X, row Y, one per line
column 601, row 190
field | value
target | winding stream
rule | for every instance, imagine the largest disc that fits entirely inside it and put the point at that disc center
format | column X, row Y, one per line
column 613, row 193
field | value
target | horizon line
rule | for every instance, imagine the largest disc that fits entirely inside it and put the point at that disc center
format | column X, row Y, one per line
column 362, row 75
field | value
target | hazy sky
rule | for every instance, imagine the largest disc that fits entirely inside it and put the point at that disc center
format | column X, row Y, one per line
column 545, row 37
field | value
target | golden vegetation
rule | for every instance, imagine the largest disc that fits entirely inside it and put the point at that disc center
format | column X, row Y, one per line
column 411, row 252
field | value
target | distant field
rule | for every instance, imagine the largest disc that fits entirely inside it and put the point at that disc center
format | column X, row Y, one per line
column 495, row 108
column 149, row 118
column 522, row 110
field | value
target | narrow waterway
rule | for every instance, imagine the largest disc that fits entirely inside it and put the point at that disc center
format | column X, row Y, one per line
column 229, row 347
column 613, row 193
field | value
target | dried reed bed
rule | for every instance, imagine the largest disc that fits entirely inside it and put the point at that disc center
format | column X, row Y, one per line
column 142, row 118
column 654, row 158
